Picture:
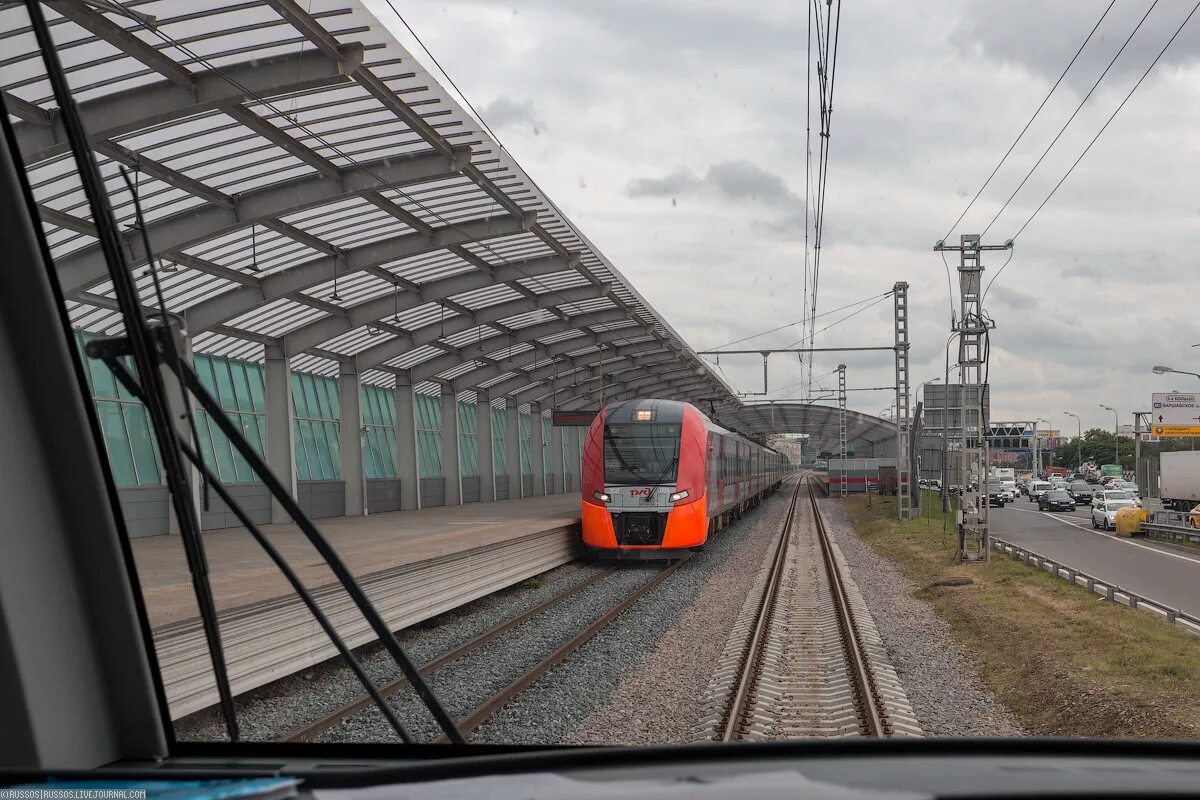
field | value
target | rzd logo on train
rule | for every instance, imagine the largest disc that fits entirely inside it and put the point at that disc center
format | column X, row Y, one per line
column 640, row 492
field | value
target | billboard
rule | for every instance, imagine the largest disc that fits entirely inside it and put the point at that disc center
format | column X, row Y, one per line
column 1175, row 414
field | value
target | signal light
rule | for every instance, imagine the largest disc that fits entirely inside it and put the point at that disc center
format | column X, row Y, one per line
column 679, row 495
column 603, row 497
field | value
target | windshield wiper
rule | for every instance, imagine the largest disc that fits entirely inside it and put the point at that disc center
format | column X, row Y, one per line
column 153, row 346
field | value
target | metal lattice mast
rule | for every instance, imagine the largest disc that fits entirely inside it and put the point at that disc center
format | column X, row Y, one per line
column 903, row 421
column 842, row 425
column 974, row 540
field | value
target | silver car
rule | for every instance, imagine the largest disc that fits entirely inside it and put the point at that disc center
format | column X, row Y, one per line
column 1104, row 511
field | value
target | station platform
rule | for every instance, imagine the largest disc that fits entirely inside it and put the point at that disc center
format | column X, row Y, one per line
column 412, row 564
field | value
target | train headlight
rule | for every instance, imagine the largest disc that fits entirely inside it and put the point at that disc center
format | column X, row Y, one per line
column 603, row 497
column 679, row 495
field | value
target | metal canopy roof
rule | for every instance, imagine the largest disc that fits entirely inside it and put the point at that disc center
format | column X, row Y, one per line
column 309, row 188
column 819, row 422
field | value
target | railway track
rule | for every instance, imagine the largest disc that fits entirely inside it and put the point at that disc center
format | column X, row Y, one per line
column 481, row 714
column 804, row 658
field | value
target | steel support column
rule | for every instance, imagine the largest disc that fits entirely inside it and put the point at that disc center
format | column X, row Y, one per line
column 512, row 448
column 406, row 448
column 556, row 484
column 451, row 467
column 350, row 433
column 573, row 462
column 278, row 379
column 484, row 455
column 537, row 450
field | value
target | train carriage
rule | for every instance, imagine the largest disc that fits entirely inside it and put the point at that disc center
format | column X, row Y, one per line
column 660, row 477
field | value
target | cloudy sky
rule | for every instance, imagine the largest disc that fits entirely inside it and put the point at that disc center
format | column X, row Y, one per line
column 673, row 134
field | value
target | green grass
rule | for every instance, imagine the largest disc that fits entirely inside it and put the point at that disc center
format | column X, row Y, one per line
column 1065, row 661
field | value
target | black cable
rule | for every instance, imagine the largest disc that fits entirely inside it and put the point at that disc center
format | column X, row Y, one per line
column 840, row 321
column 1045, row 99
column 1106, row 124
column 797, row 322
column 1070, row 119
column 142, row 344
column 128, row 381
column 807, row 157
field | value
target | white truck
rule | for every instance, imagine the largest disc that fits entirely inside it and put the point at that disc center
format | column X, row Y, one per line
column 1179, row 480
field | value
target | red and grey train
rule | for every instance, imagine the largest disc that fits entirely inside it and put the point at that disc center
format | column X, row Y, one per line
column 659, row 477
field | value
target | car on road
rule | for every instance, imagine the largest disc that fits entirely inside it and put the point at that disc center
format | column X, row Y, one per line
column 1081, row 492
column 1037, row 489
column 1104, row 512
column 997, row 494
column 1056, row 500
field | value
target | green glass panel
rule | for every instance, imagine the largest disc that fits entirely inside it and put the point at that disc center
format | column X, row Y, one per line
column 224, row 384
column 241, row 386
column 324, row 457
column 388, row 407
column 390, row 451
column 335, row 448
column 141, row 443
column 205, row 440
column 311, row 450
column 104, row 386
column 523, row 428
column 258, row 396
column 299, row 403
column 312, row 401
column 547, row 434
column 334, row 389
column 122, row 392
column 120, row 459
column 224, row 454
column 301, row 454
column 83, row 359
column 429, row 450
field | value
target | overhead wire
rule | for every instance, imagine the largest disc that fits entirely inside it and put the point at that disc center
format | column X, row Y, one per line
column 1037, row 111
column 1070, row 119
column 1106, row 123
column 390, row 186
column 793, row 324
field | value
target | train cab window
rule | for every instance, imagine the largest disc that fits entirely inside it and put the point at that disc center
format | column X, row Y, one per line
column 640, row 453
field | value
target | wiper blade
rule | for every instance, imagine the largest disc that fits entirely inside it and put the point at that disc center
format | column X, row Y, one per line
column 153, row 347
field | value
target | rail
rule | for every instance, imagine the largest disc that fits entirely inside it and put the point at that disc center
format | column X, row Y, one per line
column 788, row 640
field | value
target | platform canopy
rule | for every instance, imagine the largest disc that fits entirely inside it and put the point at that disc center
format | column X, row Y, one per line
column 866, row 435
column 309, row 188
column 312, row 193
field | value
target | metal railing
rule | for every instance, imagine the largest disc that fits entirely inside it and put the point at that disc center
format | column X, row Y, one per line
column 1106, row 589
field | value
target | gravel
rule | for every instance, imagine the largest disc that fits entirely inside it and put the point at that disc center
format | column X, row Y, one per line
column 642, row 679
column 470, row 680
column 939, row 678
column 271, row 712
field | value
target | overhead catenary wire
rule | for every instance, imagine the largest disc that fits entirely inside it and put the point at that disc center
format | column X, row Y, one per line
column 1071, row 118
column 1030, row 121
column 1106, row 123
column 798, row 322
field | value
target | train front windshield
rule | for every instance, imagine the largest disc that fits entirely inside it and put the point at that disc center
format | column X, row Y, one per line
column 641, row 453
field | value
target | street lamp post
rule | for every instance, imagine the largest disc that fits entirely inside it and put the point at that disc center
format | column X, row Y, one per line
column 1078, row 437
column 1116, row 432
column 1037, row 446
column 1164, row 370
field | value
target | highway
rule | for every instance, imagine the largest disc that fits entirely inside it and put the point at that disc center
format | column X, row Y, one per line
column 1165, row 573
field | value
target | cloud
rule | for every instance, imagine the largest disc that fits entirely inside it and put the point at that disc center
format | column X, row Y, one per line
column 704, row 102
column 732, row 180
column 504, row 112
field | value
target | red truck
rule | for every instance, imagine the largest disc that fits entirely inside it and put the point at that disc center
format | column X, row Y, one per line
column 1060, row 471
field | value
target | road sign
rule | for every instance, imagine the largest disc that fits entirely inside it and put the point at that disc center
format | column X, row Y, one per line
column 1175, row 409
column 1175, row 430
